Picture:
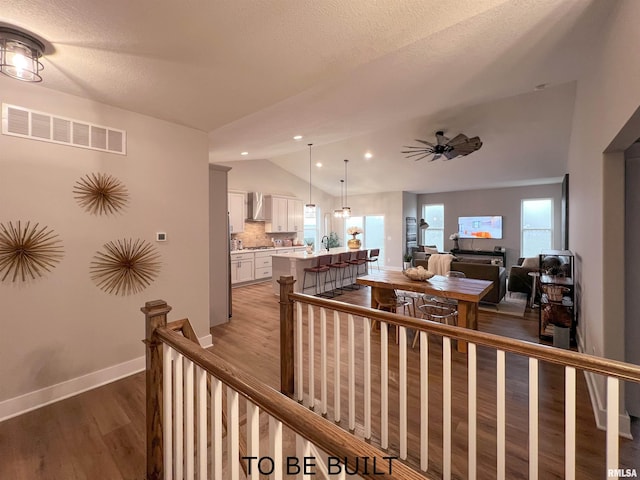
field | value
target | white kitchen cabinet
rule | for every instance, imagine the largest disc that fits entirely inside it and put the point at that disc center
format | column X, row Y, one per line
column 242, row 267
column 276, row 214
column 295, row 215
column 236, row 212
column 262, row 265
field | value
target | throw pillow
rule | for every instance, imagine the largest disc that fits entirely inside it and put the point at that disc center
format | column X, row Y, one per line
column 531, row 262
column 430, row 250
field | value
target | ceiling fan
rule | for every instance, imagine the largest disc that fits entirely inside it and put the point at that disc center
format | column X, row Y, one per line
column 458, row 146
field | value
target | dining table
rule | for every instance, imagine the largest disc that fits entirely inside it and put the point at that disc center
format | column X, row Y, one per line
column 466, row 291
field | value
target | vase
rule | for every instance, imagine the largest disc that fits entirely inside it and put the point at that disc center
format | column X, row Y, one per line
column 456, row 246
column 354, row 243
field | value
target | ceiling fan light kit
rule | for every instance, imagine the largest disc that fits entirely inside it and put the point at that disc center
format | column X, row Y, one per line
column 458, row 146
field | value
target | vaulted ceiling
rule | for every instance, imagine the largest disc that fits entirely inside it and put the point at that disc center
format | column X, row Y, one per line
column 350, row 76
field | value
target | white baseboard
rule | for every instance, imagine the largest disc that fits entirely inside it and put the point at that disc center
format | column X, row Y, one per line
column 39, row 398
column 598, row 405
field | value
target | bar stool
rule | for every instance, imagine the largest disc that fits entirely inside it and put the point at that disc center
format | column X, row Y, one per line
column 321, row 265
column 374, row 253
column 342, row 264
column 360, row 259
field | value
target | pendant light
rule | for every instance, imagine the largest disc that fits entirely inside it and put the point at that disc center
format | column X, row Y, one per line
column 310, row 208
column 337, row 213
column 346, row 211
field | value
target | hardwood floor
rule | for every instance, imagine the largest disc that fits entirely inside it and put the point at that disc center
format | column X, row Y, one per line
column 100, row 434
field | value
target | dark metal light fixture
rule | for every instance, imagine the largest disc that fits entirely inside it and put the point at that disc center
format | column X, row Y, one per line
column 20, row 55
column 310, row 208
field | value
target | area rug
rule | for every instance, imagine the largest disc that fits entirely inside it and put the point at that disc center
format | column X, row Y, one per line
column 513, row 304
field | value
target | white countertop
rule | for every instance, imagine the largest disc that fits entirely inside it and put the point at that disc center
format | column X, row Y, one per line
column 269, row 249
column 319, row 253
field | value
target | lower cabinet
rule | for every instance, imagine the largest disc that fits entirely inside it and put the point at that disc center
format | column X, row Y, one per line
column 262, row 266
column 242, row 268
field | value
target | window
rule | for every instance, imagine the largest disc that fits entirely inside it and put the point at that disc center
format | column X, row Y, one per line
column 311, row 227
column 434, row 235
column 537, row 226
column 372, row 232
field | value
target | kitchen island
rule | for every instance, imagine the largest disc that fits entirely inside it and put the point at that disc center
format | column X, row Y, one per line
column 295, row 263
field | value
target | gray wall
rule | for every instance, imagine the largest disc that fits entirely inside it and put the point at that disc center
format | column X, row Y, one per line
column 497, row 201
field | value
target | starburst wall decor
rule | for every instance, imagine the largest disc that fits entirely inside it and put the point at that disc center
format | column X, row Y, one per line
column 125, row 266
column 27, row 251
column 100, row 194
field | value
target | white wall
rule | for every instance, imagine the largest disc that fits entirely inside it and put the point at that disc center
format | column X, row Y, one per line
column 62, row 326
column 606, row 99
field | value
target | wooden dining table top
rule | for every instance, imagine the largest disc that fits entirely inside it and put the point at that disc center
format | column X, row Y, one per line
column 461, row 289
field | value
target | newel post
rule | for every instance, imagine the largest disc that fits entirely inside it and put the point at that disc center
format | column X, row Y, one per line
column 155, row 316
column 286, row 335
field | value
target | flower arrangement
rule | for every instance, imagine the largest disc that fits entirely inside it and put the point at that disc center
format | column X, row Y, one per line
column 454, row 236
column 354, row 230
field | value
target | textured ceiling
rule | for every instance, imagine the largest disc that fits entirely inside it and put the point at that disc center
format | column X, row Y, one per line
column 349, row 75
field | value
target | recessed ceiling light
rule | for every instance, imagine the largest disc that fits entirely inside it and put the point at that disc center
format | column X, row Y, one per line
column 298, row 137
column 244, row 153
column 542, row 86
column 319, row 164
column 368, row 155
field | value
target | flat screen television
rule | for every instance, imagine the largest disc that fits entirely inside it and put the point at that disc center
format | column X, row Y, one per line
column 480, row 227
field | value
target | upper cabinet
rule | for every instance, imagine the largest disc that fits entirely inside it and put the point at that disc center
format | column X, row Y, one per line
column 236, row 212
column 295, row 215
column 283, row 214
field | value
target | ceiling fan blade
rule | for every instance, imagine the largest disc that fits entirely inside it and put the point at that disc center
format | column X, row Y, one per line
column 415, row 154
column 442, row 140
column 469, row 146
column 458, row 139
column 423, row 156
column 425, row 142
column 436, row 157
column 451, row 154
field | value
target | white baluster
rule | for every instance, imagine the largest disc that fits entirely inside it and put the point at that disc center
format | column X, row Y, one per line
column 253, row 436
column 501, row 413
column 323, row 361
column 446, row 408
column 613, row 425
column 178, row 413
column 384, row 385
column 472, row 369
column 233, row 435
column 312, row 380
column 533, row 419
column 403, row 392
column 275, row 447
column 424, row 400
column 336, row 366
column 366, row 330
column 303, row 450
column 216, row 428
column 299, row 353
column 189, row 420
column 201, row 378
column 352, row 373
column 167, row 405
column 570, row 423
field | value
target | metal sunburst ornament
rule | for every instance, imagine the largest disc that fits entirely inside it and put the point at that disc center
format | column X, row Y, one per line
column 101, row 194
column 125, row 266
column 27, row 251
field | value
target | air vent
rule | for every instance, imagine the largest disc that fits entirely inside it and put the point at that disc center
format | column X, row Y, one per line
column 22, row 122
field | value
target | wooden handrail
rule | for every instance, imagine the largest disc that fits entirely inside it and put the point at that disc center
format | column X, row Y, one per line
column 582, row 361
column 325, row 435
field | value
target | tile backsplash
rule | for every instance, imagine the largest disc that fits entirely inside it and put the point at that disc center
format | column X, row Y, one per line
column 255, row 236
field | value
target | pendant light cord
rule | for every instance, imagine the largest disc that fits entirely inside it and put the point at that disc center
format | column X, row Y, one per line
column 310, row 145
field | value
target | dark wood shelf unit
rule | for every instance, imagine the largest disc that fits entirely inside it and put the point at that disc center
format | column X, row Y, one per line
column 557, row 295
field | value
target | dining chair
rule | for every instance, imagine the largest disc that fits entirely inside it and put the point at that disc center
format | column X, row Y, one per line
column 438, row 313
column 374, row 253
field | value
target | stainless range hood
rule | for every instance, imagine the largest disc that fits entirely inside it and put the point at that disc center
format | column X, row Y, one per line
column 255, row 206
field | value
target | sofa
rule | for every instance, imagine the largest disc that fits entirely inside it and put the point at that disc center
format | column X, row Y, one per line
column 521, row 281
column 479, row 269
